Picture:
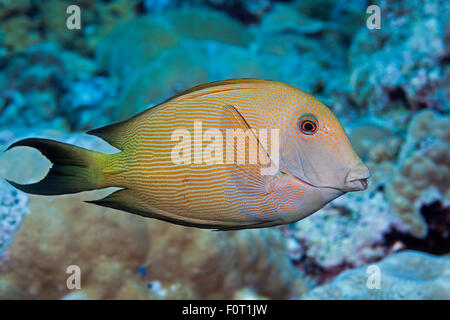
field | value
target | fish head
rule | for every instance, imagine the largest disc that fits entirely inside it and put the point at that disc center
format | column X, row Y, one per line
column 316, row 150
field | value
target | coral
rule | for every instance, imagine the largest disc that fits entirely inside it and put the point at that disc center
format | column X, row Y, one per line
column 182, row 67
column 347, row 232
column 18, row 33
column 378, row 144
column 140, row 41
column 89, row 99
column 103, row 18
column 13, row 207
column 131, row 54
column 167, row 53
column 54, row 87
column 314, row 48
column 374, row 141
column 208, row 25
column 26, row 22
column 246, row 11
column 422, row 170
column 11, row 7
column 404, row 60
column 405, row 275
column 364, row 227
column 285, row 17
column 110, row 247
column 53, row 18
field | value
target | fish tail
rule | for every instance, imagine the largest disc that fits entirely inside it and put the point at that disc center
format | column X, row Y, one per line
column 74, row 169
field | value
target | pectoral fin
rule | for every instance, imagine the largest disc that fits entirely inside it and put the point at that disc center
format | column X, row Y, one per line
column 249, row 178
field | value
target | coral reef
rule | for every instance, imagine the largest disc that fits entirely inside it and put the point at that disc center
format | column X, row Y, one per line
column 26, row 22
column 166, row 54
column 405, row 275
column 110, row 247
column 378, row 144
column 13, row 208
column 345, row 234
column 141, row 40
column 54, row 88
column 404, row 61
column 422, row 171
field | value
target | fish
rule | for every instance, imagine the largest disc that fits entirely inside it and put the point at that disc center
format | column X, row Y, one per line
column 172, row 160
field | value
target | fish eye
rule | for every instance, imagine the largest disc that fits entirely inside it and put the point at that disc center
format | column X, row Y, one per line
column 308, row 124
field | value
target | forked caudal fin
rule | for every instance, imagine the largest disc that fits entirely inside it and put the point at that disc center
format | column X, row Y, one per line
column 74, row 169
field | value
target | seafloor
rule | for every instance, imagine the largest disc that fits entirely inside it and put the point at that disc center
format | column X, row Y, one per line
column 390, row 87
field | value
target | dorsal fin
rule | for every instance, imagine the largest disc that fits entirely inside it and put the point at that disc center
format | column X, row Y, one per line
column 114, row 134
column 117, row 134
column 217, row 84
column 220, row 83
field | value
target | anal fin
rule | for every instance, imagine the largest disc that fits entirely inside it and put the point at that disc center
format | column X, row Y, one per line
column 263, row 224
column 126, row 200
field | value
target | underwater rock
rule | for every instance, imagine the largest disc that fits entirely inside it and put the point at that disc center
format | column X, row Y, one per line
column 202, row 24
column 319, row 24
column 346, row 233
column 404, row 61
column 26, row 22
column 422, row 171
column 18, row 33
column 174, row 71
column 141, row 40
column 13, row 208
column 246, row 11
column 374, row 141
column 166, row 53
column 53, row 17
column 405, row 275
column 378, row 144
column 285, row 17
column 298, row 39
column 182, row 67
column 12, row 7
column 111, row 246
column 102, row 18
column 56, row 88
column 137, row 42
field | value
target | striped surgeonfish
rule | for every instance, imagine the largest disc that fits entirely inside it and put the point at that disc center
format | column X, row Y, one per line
column 181, row 161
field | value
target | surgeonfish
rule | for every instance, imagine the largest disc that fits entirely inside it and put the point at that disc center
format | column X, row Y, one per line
column 166, row 170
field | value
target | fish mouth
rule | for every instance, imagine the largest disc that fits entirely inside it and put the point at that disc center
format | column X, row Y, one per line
column 358, row 184
column 357, row 179
column 302, row 181
column 363, row 184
